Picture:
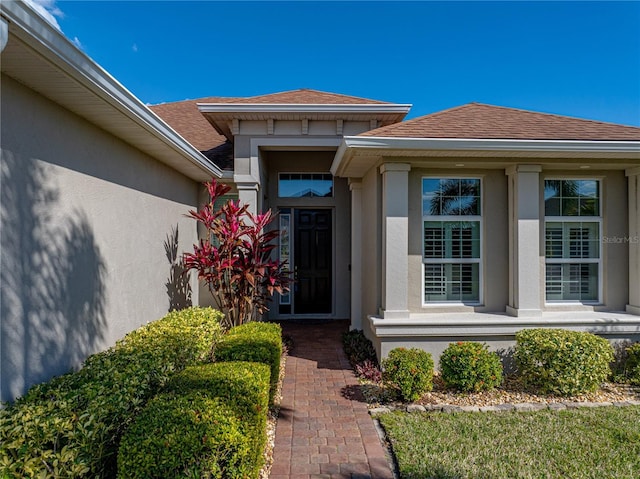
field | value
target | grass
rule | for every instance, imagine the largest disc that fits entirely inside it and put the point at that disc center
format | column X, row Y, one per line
column 602, row 443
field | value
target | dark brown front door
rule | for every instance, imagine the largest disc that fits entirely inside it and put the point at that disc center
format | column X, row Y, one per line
column 312, row 251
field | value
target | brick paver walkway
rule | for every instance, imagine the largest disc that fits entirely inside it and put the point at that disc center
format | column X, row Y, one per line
column 324, row 429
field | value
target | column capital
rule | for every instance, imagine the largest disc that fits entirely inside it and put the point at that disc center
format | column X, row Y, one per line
column 355, row 184
column 632, row 171
column 513, row 169
column 387, row 167
column 246, row 182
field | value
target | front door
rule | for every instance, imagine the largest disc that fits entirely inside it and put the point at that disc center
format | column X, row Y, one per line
column 312, row 261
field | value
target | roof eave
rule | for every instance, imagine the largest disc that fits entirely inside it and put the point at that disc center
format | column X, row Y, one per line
column 388, row 145
column 54, row 49
column 302, row 108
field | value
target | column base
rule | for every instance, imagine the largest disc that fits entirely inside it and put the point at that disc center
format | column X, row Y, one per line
column 633, row 309
column 524, row 313
column 400, row 314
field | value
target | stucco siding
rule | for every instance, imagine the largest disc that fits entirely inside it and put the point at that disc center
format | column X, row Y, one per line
column 86, row 220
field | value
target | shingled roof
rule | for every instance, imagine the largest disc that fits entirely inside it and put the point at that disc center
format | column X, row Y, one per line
column 481, row 121
column 305, row 96
column 186, row 119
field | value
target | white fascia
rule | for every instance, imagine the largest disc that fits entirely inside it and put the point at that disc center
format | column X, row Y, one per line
column 352, row 143
column 63, row 54
column 361, row 108
column 392, row 143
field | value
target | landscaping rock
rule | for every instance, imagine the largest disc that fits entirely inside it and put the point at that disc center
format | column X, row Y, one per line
column 505, row 407
column 415, row 408
column 470, row 408
column 379, row 410
column 489, row 409
column 529, row 406
column 449, row 408
column 557, row 406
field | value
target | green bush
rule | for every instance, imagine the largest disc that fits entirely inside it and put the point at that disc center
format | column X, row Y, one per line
column 633, row 364
column 410, row 371
column 627, row 364
column 562, row 362
column 71, row 425
column 258, row 342
column 191, row 435
column 469, row 366
column 243, row 386
column 358, row 348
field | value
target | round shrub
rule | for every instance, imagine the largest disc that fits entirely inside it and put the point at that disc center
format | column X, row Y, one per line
column 562, row 362
column 410, row 371
column 189, row 435
column 631, row 366
column 469, row 366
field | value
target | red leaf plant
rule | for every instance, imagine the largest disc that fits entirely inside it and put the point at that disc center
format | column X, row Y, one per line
column 235, row 260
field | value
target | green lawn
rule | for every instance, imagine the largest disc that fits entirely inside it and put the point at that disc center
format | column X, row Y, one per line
column 602, row 443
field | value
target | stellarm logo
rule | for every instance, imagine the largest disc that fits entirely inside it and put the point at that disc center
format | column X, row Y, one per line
column 621, row 239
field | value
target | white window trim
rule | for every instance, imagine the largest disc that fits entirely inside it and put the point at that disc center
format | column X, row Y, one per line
column 443, row 218
column 576, row 219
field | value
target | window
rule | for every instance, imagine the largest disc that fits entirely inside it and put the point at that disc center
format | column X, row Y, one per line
column 305, row 185
column 572, row 240
column 451, row 220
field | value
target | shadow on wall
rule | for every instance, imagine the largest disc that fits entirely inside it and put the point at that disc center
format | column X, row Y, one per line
column 178, row 287
column 52, row 305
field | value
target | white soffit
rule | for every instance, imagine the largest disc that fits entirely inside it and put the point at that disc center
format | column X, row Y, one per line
column 346, row 161
column 42, row 58
column 219, row 114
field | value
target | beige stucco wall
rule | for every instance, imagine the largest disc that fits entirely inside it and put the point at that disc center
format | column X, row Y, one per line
column 340, row 204
column 433, row 327
column 85, row 221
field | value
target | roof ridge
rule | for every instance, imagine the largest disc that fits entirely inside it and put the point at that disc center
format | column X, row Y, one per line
column 190, row 100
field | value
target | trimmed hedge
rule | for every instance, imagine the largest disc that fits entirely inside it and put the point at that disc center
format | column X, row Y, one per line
column 258, row 342
column 410, row 371
column 469, row 366
column 191, row 435
column 71, row 426
column 243, row 385
column 562, row 362
column 240, row 391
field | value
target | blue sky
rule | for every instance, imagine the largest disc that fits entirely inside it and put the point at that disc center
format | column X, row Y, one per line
column 579, row 59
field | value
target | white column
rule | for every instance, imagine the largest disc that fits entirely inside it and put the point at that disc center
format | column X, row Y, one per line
column 248, row 195
column 525, row 262
column 395, row 240
column 355, row 185
column 634, row 240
